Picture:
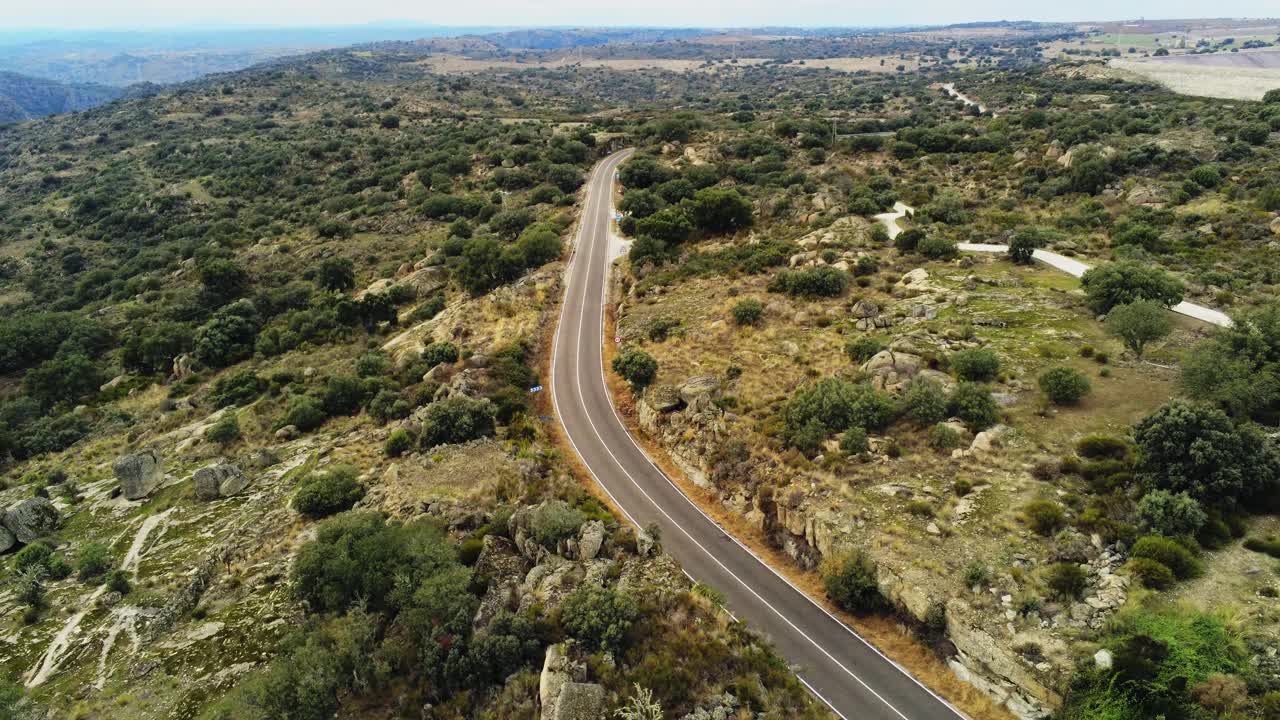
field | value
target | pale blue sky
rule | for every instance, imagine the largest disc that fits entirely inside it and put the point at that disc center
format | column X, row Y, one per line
column 119, row 14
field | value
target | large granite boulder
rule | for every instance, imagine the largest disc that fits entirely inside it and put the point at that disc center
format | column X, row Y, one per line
column 590, row 540
column 699, row 392
column 31, row 519
column 7, row 540
column 579, row 701
column 139, row 473
column 221, row 479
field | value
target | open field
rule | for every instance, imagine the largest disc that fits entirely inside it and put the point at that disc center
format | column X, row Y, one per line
column 1233, row 76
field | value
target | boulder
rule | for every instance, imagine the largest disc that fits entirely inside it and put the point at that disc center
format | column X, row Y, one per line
column 663, row 398
column 865, row 309
column 7, row 540
column 559, row 672
column 579, row 701
column 699, row 392
column 919, row 276
column 183, row 365
column 221, row 479
column 890, row 370
column 1102, row 659
column 31, row 519
column 590, row 540
column 989, row 440
column 139, row 473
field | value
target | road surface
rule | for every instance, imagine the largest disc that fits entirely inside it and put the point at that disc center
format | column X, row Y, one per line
column 1052, row 259
column 841, row 669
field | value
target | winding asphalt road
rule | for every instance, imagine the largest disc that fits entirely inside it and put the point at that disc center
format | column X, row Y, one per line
column 840, row 668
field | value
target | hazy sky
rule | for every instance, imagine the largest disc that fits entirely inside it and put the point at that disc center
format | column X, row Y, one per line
column 93, row 14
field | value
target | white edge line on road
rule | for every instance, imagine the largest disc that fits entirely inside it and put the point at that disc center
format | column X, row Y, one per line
column 581, row 398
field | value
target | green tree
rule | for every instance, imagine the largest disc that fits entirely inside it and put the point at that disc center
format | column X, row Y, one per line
column 1064, row 385
column 924, row 403
column 1024, row 243
column 1127, row 281
column 222, row 280
column 851, row 583
column 637, row 367
column 748, row 312
column 720, row 210
column 973, row 404
column 327, row 493
column 976, row 364
column 336, row 273
column 456, row 419
column 1170, row 514
column 598, row 616
column 1139, row 323
column 63, row 379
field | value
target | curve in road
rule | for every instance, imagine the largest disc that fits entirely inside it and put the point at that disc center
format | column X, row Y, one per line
column 1067, row 265
column 838, row 666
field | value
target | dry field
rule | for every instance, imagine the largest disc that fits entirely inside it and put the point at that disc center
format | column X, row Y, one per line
column 1232, row 76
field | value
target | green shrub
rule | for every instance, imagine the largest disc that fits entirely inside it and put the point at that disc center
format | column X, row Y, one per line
column 748, row 312
column 1064, row 385
column 822, row 281
column 1124, row 282
column 305, row 413
column 863, row 349
column 398, row 443
column 92, row 561
column 439, row 352
column 976, row 574
column 1044, row 516
column 854, row 442
column 829, row 406
column 1139, row 323
column 118, row 581
column 33, row 555
column 326, row 493
column 456, row 419
column 637, row 367
column 1269, row 545
column 973, row 404
column 225, row 431
column 1197, row 449
column 943, row 437
column 241, row 388
column 1168, row 553
column 554, row 521
column 1066, row 580
column 1102, row 446
column 975, row 364
column 924, row 403
column 1170, row 514
column 851, row 583
column 1151, row 573
column 600, row 617
column 936, row 247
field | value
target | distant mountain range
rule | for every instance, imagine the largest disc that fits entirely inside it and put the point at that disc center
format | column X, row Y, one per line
column 23, row 97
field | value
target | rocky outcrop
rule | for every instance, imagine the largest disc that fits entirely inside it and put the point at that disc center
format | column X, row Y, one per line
column 561, row 693
column 219, row 480
column 590, row 540
column 578, row 701
column 891, row 370
column 7, row 540
column 139, row 473
column 32, row 519
column 687, row 421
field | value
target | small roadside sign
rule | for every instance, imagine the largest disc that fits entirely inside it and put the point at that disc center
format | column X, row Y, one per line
column 617, row 340
column 535, row 388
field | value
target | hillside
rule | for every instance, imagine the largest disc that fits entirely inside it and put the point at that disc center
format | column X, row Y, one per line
column 23, row 97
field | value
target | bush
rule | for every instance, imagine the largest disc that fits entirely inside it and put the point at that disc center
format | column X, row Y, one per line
column 943, row 437
column 241, row 388
column 328, row 493
column 1197, row 449
column 1102, row 446
column 118, row 581
column 854, row 442
column 1151, row 573
column 908, row 240
column 399, row 442
column 748, row 312
column 1139, row 323
column 976, row 364
column 829, row 406
column 1066, row 580
column 1044, row 516
column 1170, row 514
column 1064, row 385
column 720, row 210
column 343, row 395
column 1168, row 553
column 973, row 404
column 1267, row 546
column 936, row 247
column 456, row 419
column 924, row 403
column 1024, row 243
column 225, row 431
column 823, row 281
column 851, row 583
column 336, row 274
column 554, row 521
column 439, row 352
column 1125, row 282
column 92, row 561
column 304, row 412
column 636, row 367
column 600, row 617
column 863, row 349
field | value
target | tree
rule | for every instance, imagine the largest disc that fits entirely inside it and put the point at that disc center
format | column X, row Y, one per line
column 336, row 273
column 327, row 493
column 1127, row 281
column 924, row 403
column 671, row 225
column 1170, row 514
column 720, row 210
column 599, row 616
column 223, row 280
column 636, row 367
column 153, row 346
column 229, row 335
column 456, row 419
column 1064, row 385
column 748, row 312
column 63, row 379
column 936, row 247
column 1271, row 97
column 977, row 364
column 908, row 240
column 1196, row 449
column 1024, row 243
column 823, row 281
column 832, row 405
column 851, row 583
column 640, row 203
column 1139, row 323
column 973, row 404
